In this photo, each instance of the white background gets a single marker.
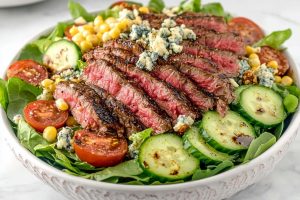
(18, 25)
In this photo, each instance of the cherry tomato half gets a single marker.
(268, 54)
(99, 150)
(42, 113)
(247, 29)
(28, 70)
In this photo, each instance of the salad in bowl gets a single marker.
(150, 95)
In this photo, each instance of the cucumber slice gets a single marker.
(262, 106)
(195, 144)
(229, 134)
(238, 92)
(164, 157)
(61, 55)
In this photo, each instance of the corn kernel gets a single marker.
(124, 24)
(73, 30)
(71, 121)
(273, 64)
(78, 38)
(112, 25)
(106, 36)
(110, 20)
(286, 81)
(79, 21)
(85, 45)
(254, 61)
(98, 21)
(86, 33)
(277, 79)
(46, 83)
(50, 134)
(88, 27)
(144, 10)
(114, 33)
(58, 80)
(99, 35)
(93, 39)
(61, 104)
(103, 28)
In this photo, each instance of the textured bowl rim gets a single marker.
(13, 141)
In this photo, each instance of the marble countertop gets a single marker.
(18, 25)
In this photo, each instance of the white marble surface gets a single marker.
(18, 25)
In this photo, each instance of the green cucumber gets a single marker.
(238, 92)
(262, 106)
(195, 144)
(61, 55)
(164, 157)
(229, 134)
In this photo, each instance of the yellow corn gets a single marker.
(254, 61)
(98, 20)
(277, 79)
(46, 83)
(112, 25)
(73, 30)
(86, 33)
(50, 134)
(88, 27)
(99, 35)
(124, 24)
(114, 33)
(58, 80)
(85, 45)
(110, 20)
(71, 121)
(286, 81)
(106, 36)
(61, 104)
(103, 28)
(144, 10)
(93, 39)
(78, 38)
(273, 64)
(250, 50)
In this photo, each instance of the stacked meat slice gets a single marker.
(118, 96)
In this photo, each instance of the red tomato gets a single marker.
(42, 113)
(28, 70)
(247, 29)
(99, 150)
(268, 54)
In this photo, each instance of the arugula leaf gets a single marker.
(260, 145)
(31, 51)
(3, 94)
(275, 39)
(19, 94)
(156, 5)
(78, 10)
(28, 137)
(191, 5)
(212, 170)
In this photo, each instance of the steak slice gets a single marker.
(126, 117)
(165, 96)
(127, 45)
(88, 108)
(227, 62)
(102, 74)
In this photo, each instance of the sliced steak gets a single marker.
(127, 45)
(88, 108)
(165, 96)
(102, 74)
(126, 117)
(227, 62)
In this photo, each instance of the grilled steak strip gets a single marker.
(126, 117)
(156, 89)
(88, 108)
(102, 74)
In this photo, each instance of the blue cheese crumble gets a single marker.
(266, 76)
(183, 122)
(64, 139)
(159, 42)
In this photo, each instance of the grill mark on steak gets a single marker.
(158, 90)
(126, 117)
(102, 74)
(127, 45)
(88, 108)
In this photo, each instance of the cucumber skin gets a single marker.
(197, 154)
(238, 92)
(161, 178)
(239, 109)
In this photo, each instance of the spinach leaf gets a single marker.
(191, 5)
(19, 94)
(213, 170)
(42, 44)
(3, 94)
(213, 8)
(78, 10)
(28, 137)
(279, 130)
(31, 51)
(156, 5)
(59, 31)
(275, 39)
(109, 13)
(294, 90)
(81, 64)
(260, 145)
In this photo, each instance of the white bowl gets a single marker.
(11, 3)
(217, 187)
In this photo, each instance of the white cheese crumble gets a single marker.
(266, 76)
(17, 118)
(64, 139)
(183, 123)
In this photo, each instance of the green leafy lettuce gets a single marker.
(31, 51)
(156, 5)
(77, 10)
(3, 94)
(275, 39)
